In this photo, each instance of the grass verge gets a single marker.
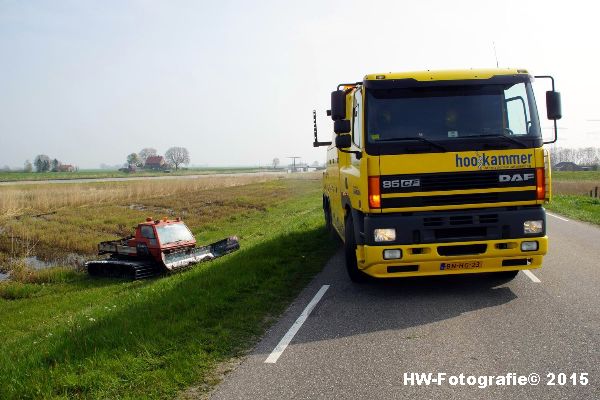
(583, 208)
(107, 338)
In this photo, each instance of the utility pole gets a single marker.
(294, 163)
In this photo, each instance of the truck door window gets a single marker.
(357, 119)
(147, 232)
(517, 112)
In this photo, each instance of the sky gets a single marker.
(235, 82)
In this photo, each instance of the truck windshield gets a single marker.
(173, 233)
(452, 112)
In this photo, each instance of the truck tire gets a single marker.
(355, 274)
(327, 215)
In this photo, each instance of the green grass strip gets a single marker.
(577, 207)
(108, 338)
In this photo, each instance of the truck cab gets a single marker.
(438, 172)
(152, 238)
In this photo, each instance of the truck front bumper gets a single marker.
(451, 258)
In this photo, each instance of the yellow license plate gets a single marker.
(460, 265)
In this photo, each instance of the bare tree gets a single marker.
(176, 156)
(275, 163)
(589, 156)
(42, 163)
(147, 152)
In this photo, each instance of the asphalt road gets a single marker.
(359, 341)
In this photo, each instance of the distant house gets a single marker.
(567, 166)
(66, 168)
(155, 162)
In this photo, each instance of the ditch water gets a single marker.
(73, 260)
(36, 263)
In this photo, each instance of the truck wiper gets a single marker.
(420, 139)
(523, 145)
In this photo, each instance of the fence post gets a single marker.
(596, 192)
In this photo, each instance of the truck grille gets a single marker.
(418, 185)
(460, 220)
(455, 199)
(455, 181)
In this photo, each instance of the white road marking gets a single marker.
(556, 216)
(287, 338)
(531, 276)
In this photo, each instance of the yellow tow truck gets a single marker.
(438, 172)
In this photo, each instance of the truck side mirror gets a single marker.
(553, 107)
(341, 126)
(338, 105)
(343, 141)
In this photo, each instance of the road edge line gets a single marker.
(531, 276)
(556, 216)
(287, 338)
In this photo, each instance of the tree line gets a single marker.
(43, 163)
(174, 157)
(585, 156)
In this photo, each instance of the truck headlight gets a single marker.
(533, 226)
(385, 235)
(529, 246)
(392, 254)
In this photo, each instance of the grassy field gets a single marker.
(575, 183)
(570, 195)
(58, 219)
(65, 335)
(576, 176)
(101, 173)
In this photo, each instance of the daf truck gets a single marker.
(439, 172)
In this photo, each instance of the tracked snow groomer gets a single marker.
(157, 247)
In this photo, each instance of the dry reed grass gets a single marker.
(62, 220)
(581, 188)
(44, 198)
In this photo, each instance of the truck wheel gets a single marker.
(327, 215)
(354, 273)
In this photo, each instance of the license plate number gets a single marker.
(460, 265)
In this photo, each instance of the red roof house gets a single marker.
(155, 162)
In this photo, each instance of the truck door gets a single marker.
(333, 188)
(350, 170)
